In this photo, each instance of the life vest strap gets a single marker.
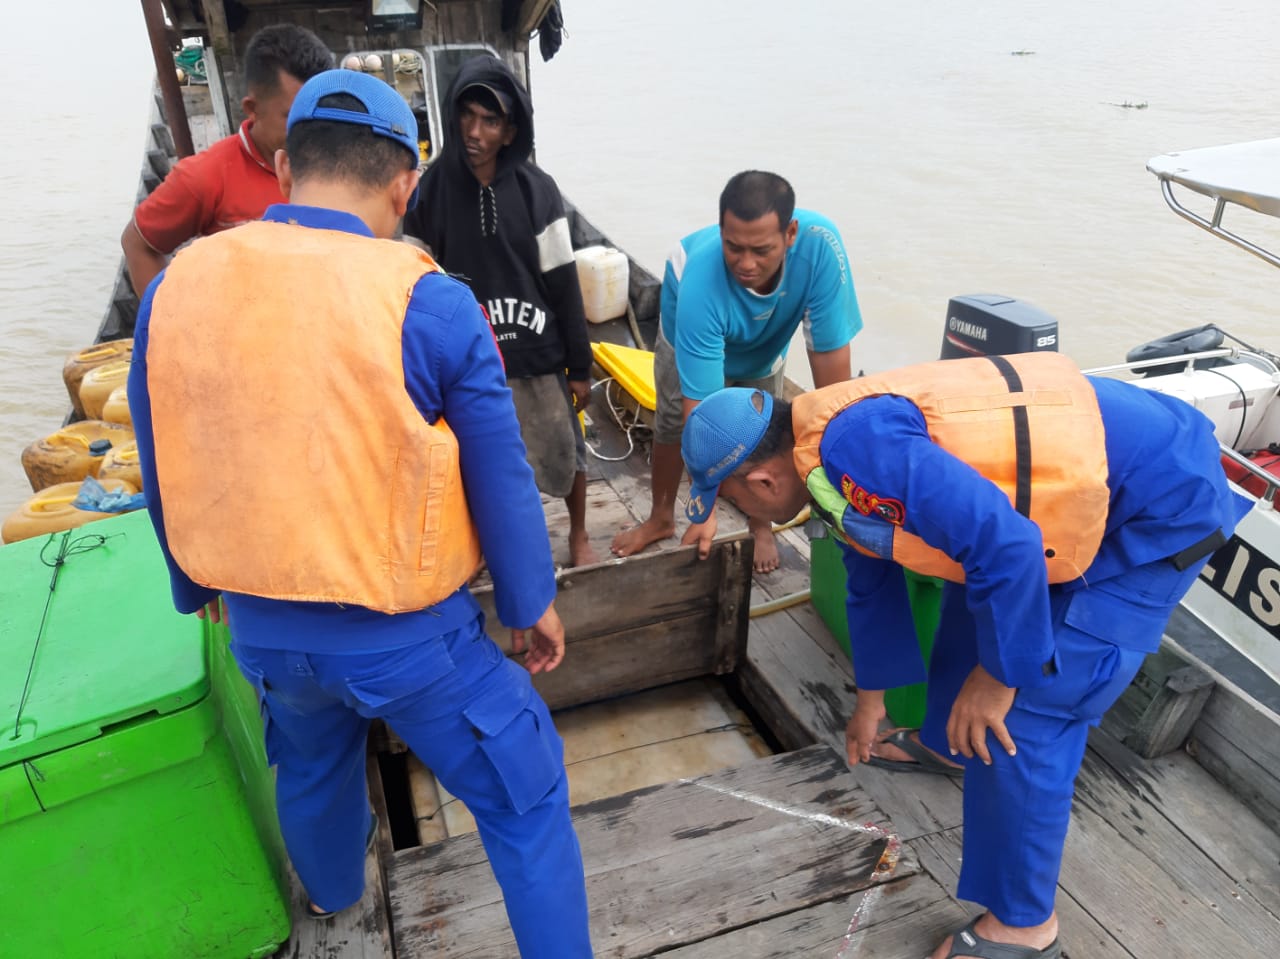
(1021, 438)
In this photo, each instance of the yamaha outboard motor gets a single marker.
(985, 324)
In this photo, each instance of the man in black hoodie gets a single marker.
(493, 219)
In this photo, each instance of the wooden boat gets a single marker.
(780, 850)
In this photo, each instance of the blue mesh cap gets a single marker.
(389, 115)
(721, 432)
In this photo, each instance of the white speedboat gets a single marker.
(1234, 628)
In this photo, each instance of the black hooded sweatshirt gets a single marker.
(509, 240)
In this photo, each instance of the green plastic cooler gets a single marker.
(137, 810)
(906, 704)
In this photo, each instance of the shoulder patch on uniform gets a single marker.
(869, 504)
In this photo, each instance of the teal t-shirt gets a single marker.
(723, 331)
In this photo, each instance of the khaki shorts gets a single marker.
(552, 435)
(668, 418)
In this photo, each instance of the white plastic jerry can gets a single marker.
(603, 276)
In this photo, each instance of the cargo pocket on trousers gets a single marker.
(258, 680)
(516, 734)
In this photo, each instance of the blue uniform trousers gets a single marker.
(1016, 811)
(473, 718)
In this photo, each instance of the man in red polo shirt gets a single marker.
(233, 181)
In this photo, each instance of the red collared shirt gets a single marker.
(226, 185)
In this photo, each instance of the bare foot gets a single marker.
(635, 538)
(993, 930)
(766, 551)
(891, 752)
(581, 552)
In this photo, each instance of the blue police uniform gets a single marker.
(323, 671)
(1070, 649)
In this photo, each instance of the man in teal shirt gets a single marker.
(733, 296)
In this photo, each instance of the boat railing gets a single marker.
(1242, 174)
(1214, 224)
(1187, 361)
(1266, 500)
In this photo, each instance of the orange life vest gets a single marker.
(1028, 422)
(292, 461)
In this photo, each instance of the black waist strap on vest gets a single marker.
(1021, 438)
(1199, 550)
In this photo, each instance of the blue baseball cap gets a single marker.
(389, 114)
(721, 432)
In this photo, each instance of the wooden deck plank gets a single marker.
(802, 684)
(1244, 849)
(800, 681)
(1235, 739)
(1083, 937)
(1151, 913)
(364, 930)
(683, 730)
(605, 513)
(659, 623)
(658, 587)
(671, 864)
(905, 919)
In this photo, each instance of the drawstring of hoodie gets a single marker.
(488, 226)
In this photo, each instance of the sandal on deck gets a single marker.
(966, 942)
(925, 760)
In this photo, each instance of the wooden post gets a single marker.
(223, 67)
(733, 605)
(1166, 722)
(530, 15)
(175, 110)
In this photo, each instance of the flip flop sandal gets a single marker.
(966, 942)
(368, 844)
(925, 760)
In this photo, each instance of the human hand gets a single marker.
(863, 730)
(702, 534)
(212, 611)
(982, 704)
(545, 642)
(580, 392)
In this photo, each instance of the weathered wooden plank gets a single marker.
(163, 139)
(631, 660)
(226, 83)
(671, 864)
(424, 796)
(1237, 741)
(622, 594)
(1154, 915)
(530, 15)
(1156, 713)
(905, 919)
(605, 514)
(732, 619)
(792, 574)
(1167, 721)
(802, 688)
(801, 684)
(1082, 935)
(364, 930)
(1239, 843)
(679, 731)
